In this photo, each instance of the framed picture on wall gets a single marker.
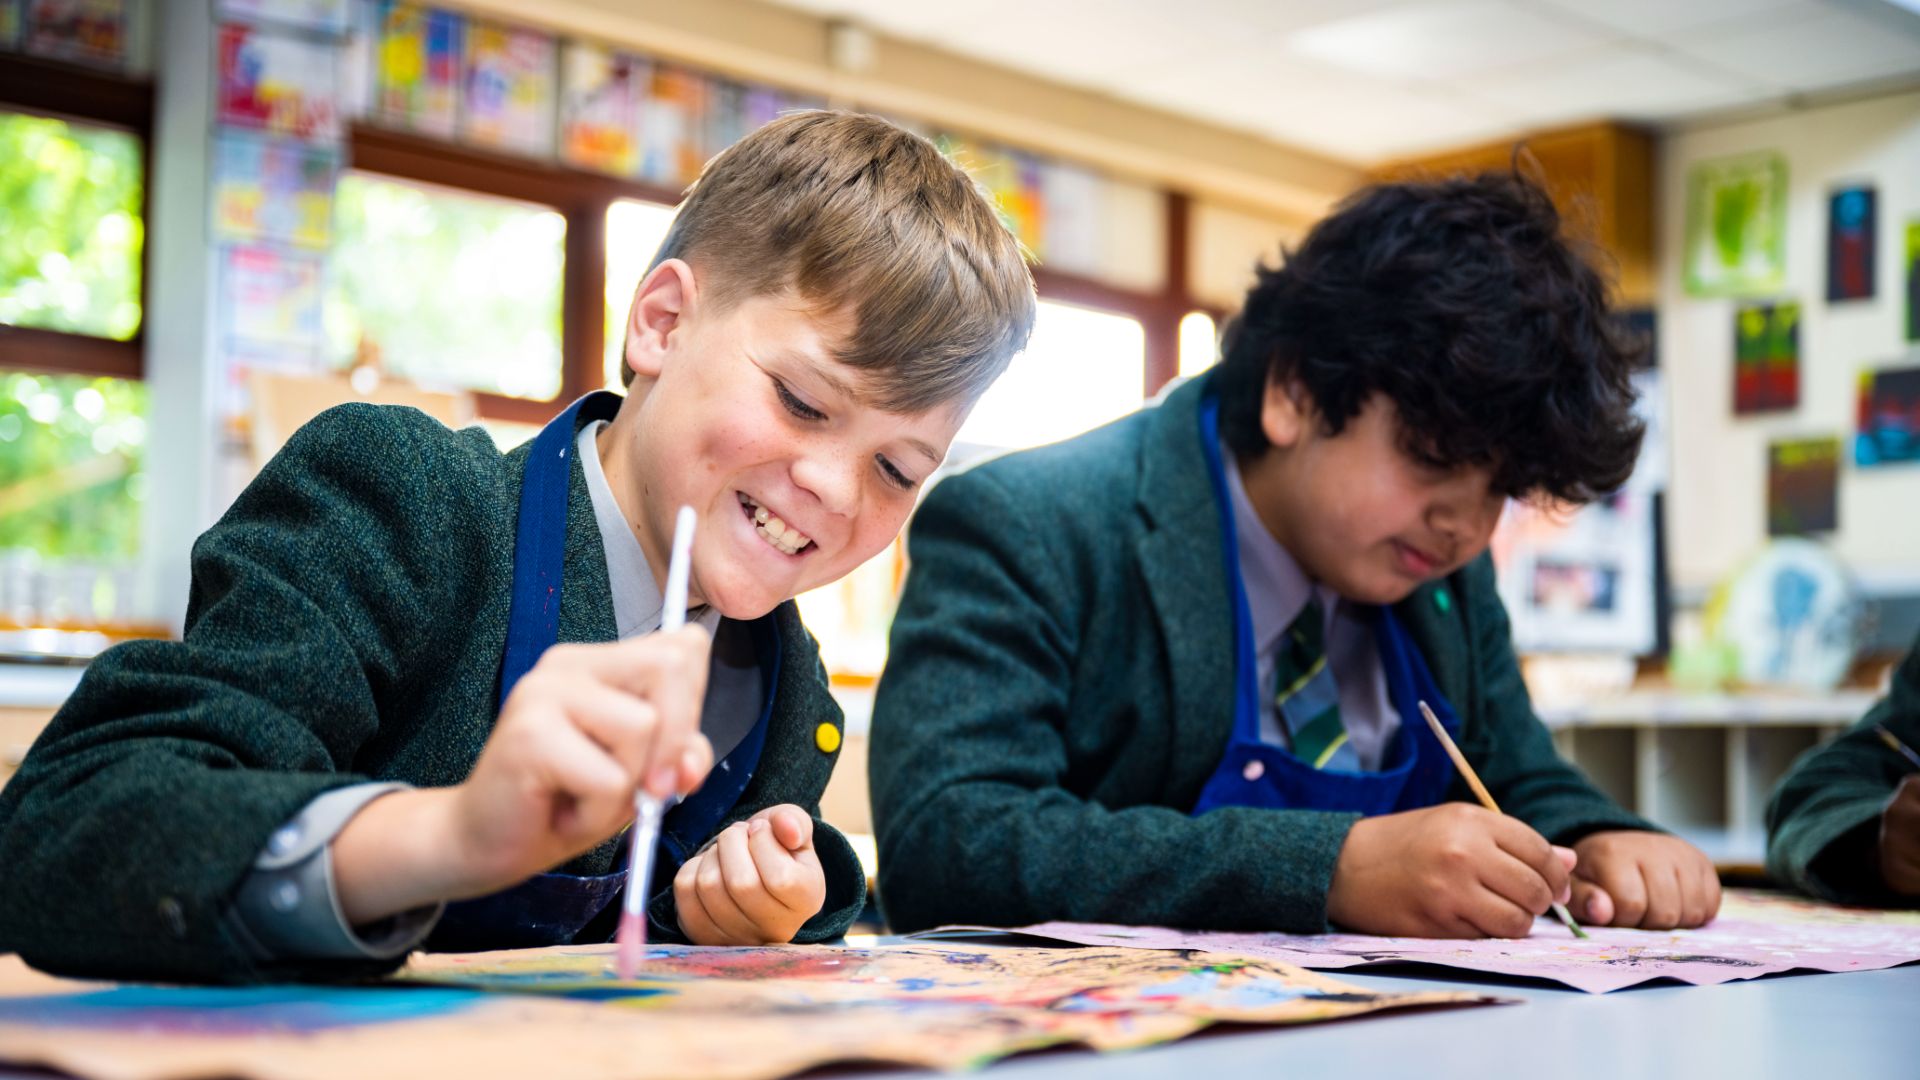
(1736, 226)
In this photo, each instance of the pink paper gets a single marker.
(1756, 933)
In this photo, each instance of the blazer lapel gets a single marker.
(1181, 561)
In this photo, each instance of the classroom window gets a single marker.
(72, 485)
(1082, 368)
(447, 288)
(70, 253)
(1199, 344)
(635, 230)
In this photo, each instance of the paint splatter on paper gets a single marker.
(1755, 934)
(730, 1014)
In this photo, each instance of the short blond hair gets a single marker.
(851, 213)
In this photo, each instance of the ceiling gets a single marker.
(1370, 80)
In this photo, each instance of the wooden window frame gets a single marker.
(96, 99)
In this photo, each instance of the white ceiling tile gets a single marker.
(1442, 40)
(1615, 81)
(1823, 48)
(1655, 18)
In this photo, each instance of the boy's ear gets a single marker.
(1286, 411)
(660, 308)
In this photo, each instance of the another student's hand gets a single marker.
(1900, 838)
(756, 884)
(1645, 879)
(1453, 870)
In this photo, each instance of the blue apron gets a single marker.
(1414, 771)
(558, 909)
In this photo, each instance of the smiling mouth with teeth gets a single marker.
(783, 537)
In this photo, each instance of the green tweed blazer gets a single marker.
(1823, 825)
(347, 621)
(1060, 687)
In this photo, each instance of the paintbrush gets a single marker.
(1486, 797)
(647, 808)
(1896, 745)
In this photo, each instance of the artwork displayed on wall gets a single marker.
(1851, 220)
(1766, 364)
(279, 83)
(1584, 581)
(511, 81)
(1912, 263)
(268, 190)
(92, 32)
(10, 23)
(1736, 226)
(1803, 481)
(601, 93)
(326, 16)
(1889, 417)
(417, 67)
(271, 304)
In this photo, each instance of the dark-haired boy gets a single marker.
(1168, 672)
(421, 683)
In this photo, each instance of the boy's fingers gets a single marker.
(1515, 882)
(780, 873)
(1529, 847)
(1591, 904)
(694, 920)
(1625, 886)
(710, 882)
(1493, 915)
(575, 766)
(696, 761)
(1664, 899)
(621, 723)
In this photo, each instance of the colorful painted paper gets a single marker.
(1889, 417)
(280, 83)
(273, 190)
(1803, 483)
(271, 303)
(1851, 223)
(90, 32)
(1736, 229)
(1583, 580)
(1766, 358)
(734, 110)
(729, 1014)
(671, 126)
(326, 16)
(417, 67)
(601, 95)
(1756, 933)
(512, 87)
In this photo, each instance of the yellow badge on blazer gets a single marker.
(827, 737)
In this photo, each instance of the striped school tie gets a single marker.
(1305, 695)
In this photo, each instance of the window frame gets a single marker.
(63, 92)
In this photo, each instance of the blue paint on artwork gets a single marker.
(234, 1010)
(915, 984)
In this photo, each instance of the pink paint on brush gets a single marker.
(633, 945)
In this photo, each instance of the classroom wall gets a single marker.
(1717, 505)
(1225, 244)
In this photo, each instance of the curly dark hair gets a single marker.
(1464, 304)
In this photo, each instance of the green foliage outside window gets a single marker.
(70, 227)
(72, 465)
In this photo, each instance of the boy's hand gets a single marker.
(1900, 838)
(1632, 878)
(756, 884)
(1453, 870)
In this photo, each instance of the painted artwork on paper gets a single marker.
(325, 16)
(1803, 484)
(1736, 227)
(417, 67)
(1766, 358)
(1889, 420)
(10, 23)
(273, 190)
(671, 124)
(511, 89)
(726, 1013)
(1851, 222)
(601, 95)
(92, 32)
(279, 83)
(1912, 263)
(270, 304)
(1755, 934)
